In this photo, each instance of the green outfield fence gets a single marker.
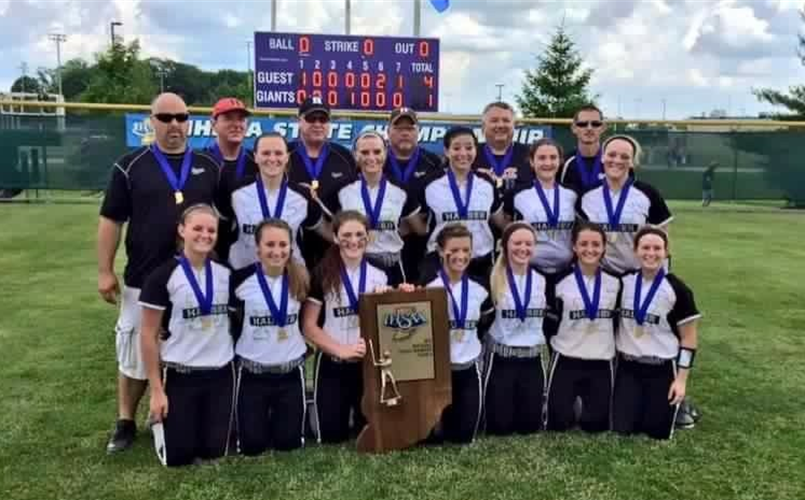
(71, 146)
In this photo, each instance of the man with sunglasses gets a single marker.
(149, 188)
(583, 169)
(499, 156)
(318, 165)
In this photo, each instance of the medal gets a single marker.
(498, 167)
(498, 182)
(612, 237)
(590, 327)
(279, 314)
(351, 295)
(184, 172)
(462, 207)
(282, 335)
(614, 215)
(520, 304)
(459, 313)
(641, 310)
(402, 176)
(313, 169)
(589, 176)
(590, 305)
(204, 299)
(373, 212)
(551, 214)
(261, 197)
(314, 185)
(457, 335)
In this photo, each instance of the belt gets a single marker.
(644, 360)
(384, 259)
(456, 367)
(507, 351)
(256, 368)
(180, 368)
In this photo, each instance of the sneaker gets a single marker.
(123, 437)
(684, 420)
(694, 412)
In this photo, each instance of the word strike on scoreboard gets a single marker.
(348, 72)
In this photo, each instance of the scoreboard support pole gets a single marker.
(347, 16)
(417, 17)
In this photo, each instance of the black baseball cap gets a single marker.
(313, 104)
(403, 112)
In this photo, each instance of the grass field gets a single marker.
(58, 402)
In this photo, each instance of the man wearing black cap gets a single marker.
(319, 165)
(230, 123)
(412, 167)
(499, 156)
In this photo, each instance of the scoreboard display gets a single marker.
(365, 73)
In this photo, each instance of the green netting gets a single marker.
(75, 152)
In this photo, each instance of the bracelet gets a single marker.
(685, 358)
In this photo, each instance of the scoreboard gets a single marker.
(366, 73)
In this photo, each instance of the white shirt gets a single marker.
(507, 329)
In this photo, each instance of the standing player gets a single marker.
(187, 346)
(583, 170)
(515, 378)
(272, 196)
(230, 123)
(318, 165)
(411, 167)
(267, 298)
(656, 342)
(548, 207)
(386, 205)
(586, 301)
(469, 313)
(502, 159)
(622, 205)
(461, 195)
(338, 282)
(149, 188)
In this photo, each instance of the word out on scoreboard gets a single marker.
(347, 72)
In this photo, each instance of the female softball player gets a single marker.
(469, 312)
(267, 298)
(386, 204)
(515, 379)
(585, 303)
(270, 195)
(656, 342)
(340, 278)
(622, 205)
(187, 300)
(548, 207)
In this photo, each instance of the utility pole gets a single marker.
(417, 17)
(347, 16)
(24, 69)
(58, 38)
(500, 91)
(273, 15)
(112, 31)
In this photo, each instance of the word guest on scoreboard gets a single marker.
(348, 72)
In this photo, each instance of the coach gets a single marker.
(149, 188)
(505, 161)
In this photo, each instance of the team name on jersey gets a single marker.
(582, 314)
(468, 325)
(529, 313)
(258, 321)
(343, 312)
(620, 228)
(248, 228)
(386, 225)
(471, 215)
(544, 226)
(651, 319)
(195, 312)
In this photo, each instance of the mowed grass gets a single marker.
(57, 396)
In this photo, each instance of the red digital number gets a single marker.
(349, 80)
(380, 99)
(316, 93)
(400, 81)
(397, 99)
(428, 81)
(304, 45)
(381, 81)
(332, 98)
(424, 49)
(317, 79)
(352, 99)
(430, 100)
(368, 47)
(366, 80)
(303, 78)
(301, 95)
(332, 79)
(366, 99)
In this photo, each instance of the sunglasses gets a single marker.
(593, 124)
(317, 118)
(169, 117)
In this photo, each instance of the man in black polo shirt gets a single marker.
(149, 189)
(412, 167)
(318, 165)
(583, 170)
(230, 123)
(499, 156)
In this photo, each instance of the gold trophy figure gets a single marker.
(386, 378)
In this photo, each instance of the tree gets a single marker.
(26, 84)
(121, 77)
(559, 84)
(794, 101)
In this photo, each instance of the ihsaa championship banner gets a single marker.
(139, 132)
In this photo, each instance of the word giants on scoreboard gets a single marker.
(348, 72)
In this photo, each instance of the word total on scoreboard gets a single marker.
(347, 72)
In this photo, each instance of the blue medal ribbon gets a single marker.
(261, 195)
(313, 170)
(462, 208)
(520, 305)
(498, 167)
(551, 214)
(176, 184)
(614, 216)
(280, 314)
(590, 306)
(351, 296)
(402, 176)
(204, 301)
(373, 212)
(589, 176)
(240, 167)
(641, 311)
(459, 314)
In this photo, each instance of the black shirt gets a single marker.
(427, 166)
(139, 193)
(519, 160)
(338, 170)
(571, 178)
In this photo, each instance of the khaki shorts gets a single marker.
(127, 330)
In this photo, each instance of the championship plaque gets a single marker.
(406, 371)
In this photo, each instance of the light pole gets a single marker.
(663, 109)
(112, 31)
(24, 68)
(273, 15)
(347, 16)
(58, 38)
(500, 91)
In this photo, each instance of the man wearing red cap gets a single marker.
(229, 121)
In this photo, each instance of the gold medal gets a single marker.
(458, 335)
(314, 185)
(179, 197)
(282, 335)
(206, 322)
(639, 331)
(499, 182)
(590, 326)
(612, 237)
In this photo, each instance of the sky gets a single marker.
(677, 58)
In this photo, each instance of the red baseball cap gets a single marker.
(227, 104)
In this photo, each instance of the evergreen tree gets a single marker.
(559, 84)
